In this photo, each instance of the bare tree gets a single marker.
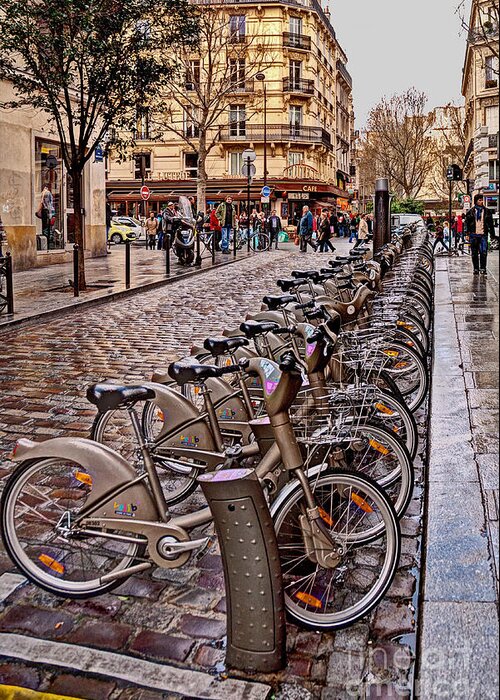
(482, 27)
(221, 71)
(399, 133)
(448, 146)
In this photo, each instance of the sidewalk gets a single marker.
(459, 634)
(46, 290)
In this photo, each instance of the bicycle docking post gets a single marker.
(234, 242)
(382, 228)
(167, 255)
(252, 573)
(127, 264)
(76, 286)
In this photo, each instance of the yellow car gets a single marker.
(120, 234)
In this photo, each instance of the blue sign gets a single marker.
(98, 155)
(265, 191)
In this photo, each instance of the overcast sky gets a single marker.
(395, 44)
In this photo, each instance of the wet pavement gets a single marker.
(459, 639)
(171, 619)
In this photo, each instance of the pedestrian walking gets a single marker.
(354, 229)
(429, 222)
(459, 232)
(439, 239)
(447, 233)
(215, 228)
(324, 233)
(169, 217)
(151, 229)
(369, 221)
(306, 230)
(479, 224)
(362, 231)
(160, 232)
(334, 224)
(274, 227)
(243, 224)
(226, 214)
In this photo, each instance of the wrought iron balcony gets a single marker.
(344, 73)
(278, 133)
(300, 86)
(242, 86)
(297, 41)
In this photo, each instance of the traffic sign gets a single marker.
(98, 155)
(145, 192)
(266, 191)
(248, 155)
(245, 170)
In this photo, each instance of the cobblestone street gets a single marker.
(174, 617)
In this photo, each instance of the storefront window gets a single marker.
(48, 193)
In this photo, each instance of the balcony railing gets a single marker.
(493, 141)
(480, 35)
(344, 73)
(280, 133)
(297, 41)
(236, 38)
(242, 86)
(298, 85)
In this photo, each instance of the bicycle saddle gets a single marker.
(342, 260)
(220, 345)
(254, 328)
(107, 397)
(304, 274)
(187, 370)
(276, 302)
(286, 285)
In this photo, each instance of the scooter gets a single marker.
(183, 243)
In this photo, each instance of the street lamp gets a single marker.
(262, 78)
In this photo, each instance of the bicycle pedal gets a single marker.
(204, 550)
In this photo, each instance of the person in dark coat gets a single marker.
(274, 227)
(479, 224)
(324, 233)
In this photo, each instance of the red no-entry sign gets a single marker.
(145, 192)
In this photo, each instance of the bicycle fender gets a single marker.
(109, 472)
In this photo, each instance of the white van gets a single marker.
(398, 220)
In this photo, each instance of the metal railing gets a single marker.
(280, 133)
(297, 41)
(242, 86)
(298, 85)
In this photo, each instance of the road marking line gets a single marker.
(136, 671)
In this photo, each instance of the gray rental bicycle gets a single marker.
(77, 519)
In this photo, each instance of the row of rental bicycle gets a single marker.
(317, 391)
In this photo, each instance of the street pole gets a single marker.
(248, 205)
(450, 194)
(382, 229)
(143, 178)
(265, 135)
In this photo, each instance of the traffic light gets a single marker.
(454, 172)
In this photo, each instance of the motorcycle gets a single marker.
(183, 243)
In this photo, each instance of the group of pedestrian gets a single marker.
(329, 224)
(475, 226)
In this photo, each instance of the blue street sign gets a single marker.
(265, 191)
(98, 155)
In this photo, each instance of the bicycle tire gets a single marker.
(304, 606)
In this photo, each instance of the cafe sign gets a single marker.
(298, 195)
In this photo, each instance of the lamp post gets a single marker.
(262, 78)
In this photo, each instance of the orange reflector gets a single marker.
(395, 429)
(309, 599)
(380, 448)
(160, 414)
(51, 563)
(324, 516)
(196, 389)
(361, 503)
(400, 365)
(408, 326)
(84, 478)
(384, 409)
(391, 353)
(228, 362)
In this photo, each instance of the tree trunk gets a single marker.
(201, 185)
(76, 176)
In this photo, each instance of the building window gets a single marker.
(193, 75)
(237, 120)
(295, 74)
(48, 186)
(235, 163)
(491, 119)
(237, 72)
(142, 132)
(191, 164)
(493, 171)
(295, 157)
(237, 28)
(295, 120)
(139, 159)
(491, 71)
(295, 27)
(191, 128)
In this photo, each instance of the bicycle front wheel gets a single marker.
(39, 506)
(331, 587)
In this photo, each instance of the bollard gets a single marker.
(214, 241)
(127, 264)
(234, 243)
(197, 261)
(382, 227)
(252, 573)
(76, 281)
(9, 283)
(167, 254)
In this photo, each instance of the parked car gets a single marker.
(398, 220)
(129, 221)
(118, 233)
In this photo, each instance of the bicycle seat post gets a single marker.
(244, 389)
(212, 416)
